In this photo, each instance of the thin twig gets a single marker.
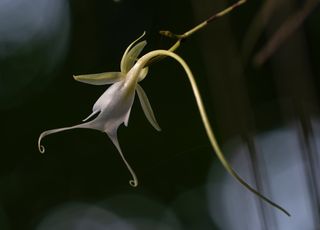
(181, 37)
(200, 26)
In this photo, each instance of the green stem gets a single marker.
(151, 55)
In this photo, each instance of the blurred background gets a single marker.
(258, 74)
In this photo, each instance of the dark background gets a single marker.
(81, 169)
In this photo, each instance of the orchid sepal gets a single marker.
(146, 107)
(100, 78)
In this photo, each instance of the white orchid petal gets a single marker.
(100, 78)
(124, 65)
(146, 107)
(116, 100)
(112, 133)
(113, 106)
(87, 125)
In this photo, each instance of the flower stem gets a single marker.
(153, 54)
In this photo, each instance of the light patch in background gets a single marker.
(78, 216)
(285, 181)
(33, 42)
(142, 213)
(125, 212)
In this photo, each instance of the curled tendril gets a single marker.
(42, 149)
(133, 183)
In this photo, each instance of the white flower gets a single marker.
(114, 105)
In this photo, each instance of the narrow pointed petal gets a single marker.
(48, 132)
(112, 133)
(91, 115)
(100, 78)
(146, 107)
(130, 55)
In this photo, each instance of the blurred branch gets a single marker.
(284, 32)
(257, 25)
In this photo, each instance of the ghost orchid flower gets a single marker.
(114, 105)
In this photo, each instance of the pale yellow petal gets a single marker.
(131, 53)
(146, 107)
(100, 78)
